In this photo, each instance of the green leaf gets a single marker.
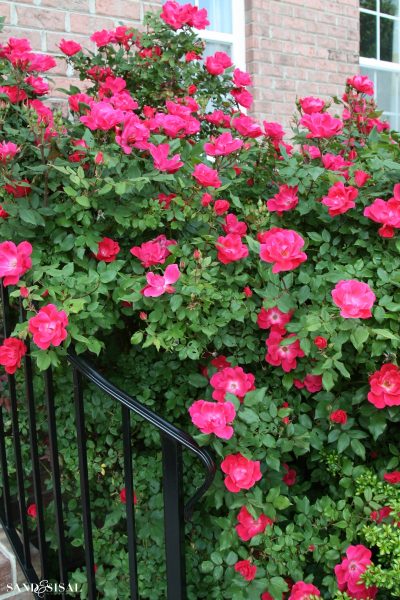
(327, 380)
(137, 337)
(43, 361)
(385, 333)
(197, 380)
(359, 336)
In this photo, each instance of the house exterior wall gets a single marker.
(293, 47)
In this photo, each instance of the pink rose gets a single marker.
(354, 298)
(232, 225)
(213, 417)
(282, 248)
(248, 527)
(17, 189)
(246, 126)
(385, 386)
(154, 252)
(340, 198)
(48, 327)
(230, 248)
(361, 178)
(290, 476)
(7, 151)
(177, 15)
(241, 78)
(311, 105)
(122, 496)
(386, 213)
(362, 84)
(38, 84)
(161, 160)
(102, 116)
(273, 318)
(69, 47)
(15, 261)
(274, 131)
(286, 199)
(222, 145)
(321, 125)
(161, 284)
(217, 63)
(312, 383)
(303, 591)
(76, 99)
(246, 569)
(206, 176)
(231, 380)
(32, 511)
(348, 573)
(221, 207)
(242, 97)
(321, 342)
(103, 38)
(283, 356)
(134, 134)
(241, 473)
(11, 352)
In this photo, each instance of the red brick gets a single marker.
(127, 9)
(87, 24)
(38, 18)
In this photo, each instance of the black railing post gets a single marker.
(84, 483)
(17, 440)
(174, 524)
(130, 510)
(37, 487)
(55, 473)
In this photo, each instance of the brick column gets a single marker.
(299, 48)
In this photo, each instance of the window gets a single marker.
(380, 53)
(226, 31)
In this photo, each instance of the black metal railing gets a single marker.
(14, 517)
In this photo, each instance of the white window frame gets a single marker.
(377, 63)
(237, 39)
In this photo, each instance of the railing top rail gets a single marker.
(166, 428)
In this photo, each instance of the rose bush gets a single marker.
(236, 281)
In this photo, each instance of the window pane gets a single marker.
(371, 4)
(387, 40)
(212, 47)
(219, 14)
(387, 88)
(390, 7)
(368, 35)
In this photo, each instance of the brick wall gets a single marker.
(299, 48)
(294, 47)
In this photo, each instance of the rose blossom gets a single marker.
(241, 473)
(69, 47)
(311, 105)
(340, 198)
(273, 318)
(217, 63)
(393, 477)
(102, 116)
(177, 15)
(286, 199)
(312, 383)
(354, 298)
(48, 327)
(349, 571)
(230, 248)
(290, 476)
(231, 380)
(362, 84)
(7, 151)
(107, 250)
(303, 591)
(283, 356)
(161, 160)
(321, 342)
(282, 248)
(246, 569)
(232, 225)
(223, 145)
(32, 511)
(122, 496)
(206, 176)
(221, 207)
(379, 515)
(11, 352)
(246, 126)
(385, 386)
(213, 417)
(14, 261)
(338, 416)
(154, 252)
(242, 97)
(321, 125)
(386, 213)
(274, 130)
(161, 284)
(248, 527)
(361, 178)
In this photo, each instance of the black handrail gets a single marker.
(161, 424)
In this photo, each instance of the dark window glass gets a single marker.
(387, 31)
(390, 7)
(371, 4)
(368, 36)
